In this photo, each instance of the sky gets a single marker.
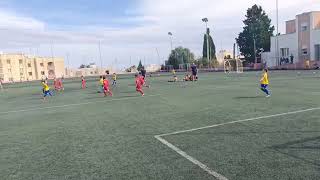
(128, 30)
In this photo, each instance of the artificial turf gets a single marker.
(79, 134)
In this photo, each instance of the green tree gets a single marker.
(139, 66)
(179, 56)
(212, 49)
(257, 25)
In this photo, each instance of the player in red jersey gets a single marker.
(55, 84)
(106, 88)
(60, 84)
(143, 81)
(139, 84)
(83, 83)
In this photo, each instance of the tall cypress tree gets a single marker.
(212, 47)
(139, 66)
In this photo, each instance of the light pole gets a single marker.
(277, 36)
(205, 20)
(170, 34)
(100, 54)
(68, 60)
(252, 29)
(255, 49)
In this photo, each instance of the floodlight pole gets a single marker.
(100, 54)
(255, 50)
(205, 20)
(68, 61)
(277, 36)
(170, 35)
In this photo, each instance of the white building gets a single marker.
(91, 70)
(301, 43)
(153, 68)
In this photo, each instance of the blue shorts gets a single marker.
(264, 86)
(46, 93)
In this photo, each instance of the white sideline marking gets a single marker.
(200, 164)
(77, 104)
(238, 121)
(190, 158)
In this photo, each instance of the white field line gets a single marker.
(192, 159)
(238, 121)
(76, 104)
(200, 164)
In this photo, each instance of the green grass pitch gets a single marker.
(80, 135)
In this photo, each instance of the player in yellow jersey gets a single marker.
(46, 89)
(114, 78)
(101, 84)
(175, 78)
(173, 72)
(264, 81)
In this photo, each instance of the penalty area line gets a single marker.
(191, 159)
(200, 164)
(76, 104)
(239, 121)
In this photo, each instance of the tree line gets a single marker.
(255, 36)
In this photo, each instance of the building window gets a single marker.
(8, 61)
(304, 27)
(30, 73)
(21, 74)
(9, 70)
(304, 51)
(284, 52)
(29, 64)
(21, 69)
(20, 61)
(42, 72)
(41, 64)
(317, 52)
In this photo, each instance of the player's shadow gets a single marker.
(248, 97)
(295, 149)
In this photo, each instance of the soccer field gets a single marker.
(221, 127)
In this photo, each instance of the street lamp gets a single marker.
(255, 49)
(100, 57)
(277, 36)
(170, 34)
(205, 20)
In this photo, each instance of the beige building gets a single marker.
(19, 67)
(222, 54)
(299, 45)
